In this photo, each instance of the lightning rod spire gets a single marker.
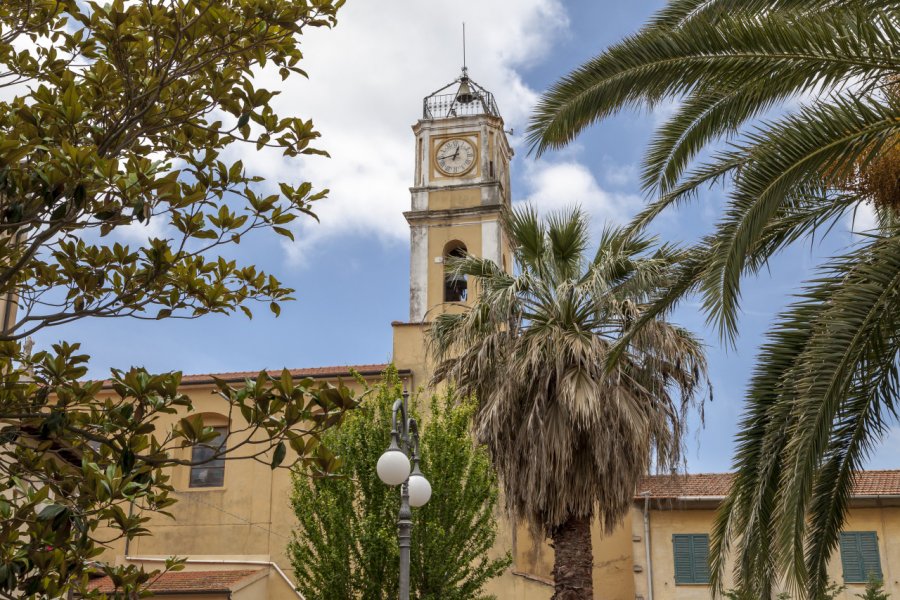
(464, 47)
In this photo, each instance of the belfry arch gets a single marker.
(456, 286)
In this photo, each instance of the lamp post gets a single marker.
(394, 468)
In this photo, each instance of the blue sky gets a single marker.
(367, 78)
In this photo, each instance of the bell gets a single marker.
(465, 95)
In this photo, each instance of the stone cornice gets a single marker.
(455, 186)
(474, 211)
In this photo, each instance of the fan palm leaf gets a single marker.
(534, 347)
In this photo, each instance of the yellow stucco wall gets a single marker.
(664, 523)
(885, 522)
(249, 518)
(454, 198)
(409, 352)
(529, 578)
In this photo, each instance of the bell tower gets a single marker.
(460, 191)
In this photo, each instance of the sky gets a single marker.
(367, 78)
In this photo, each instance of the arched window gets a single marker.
(455, 285)
(208, 471)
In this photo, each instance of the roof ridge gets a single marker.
(325, 371)
(866, 483)
(721, 473)
(291, 369)
(174, 582)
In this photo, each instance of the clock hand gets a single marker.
(448, 155)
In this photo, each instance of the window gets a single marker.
(859, 556)
(209, 472)
(691, 558)
(455, 285)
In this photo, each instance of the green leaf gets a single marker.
(284, 231)
(278, 455)
(51, 511)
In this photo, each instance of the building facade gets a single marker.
(236, 518)
(672, 519)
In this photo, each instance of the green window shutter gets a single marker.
(691, 553)
(859, 556)
(684, 570)
(700, 551)
(868, 548)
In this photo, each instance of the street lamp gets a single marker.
(394, 468)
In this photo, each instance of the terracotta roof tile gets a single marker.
(715, 485)
(314, 372)
(186, 581)
(332, 371)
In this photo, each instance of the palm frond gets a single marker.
(822, 397)
(827, 379)
(567, 240)
(833, 45)
(677, 12)
(533, 349)
(821, 141)
(702, 119)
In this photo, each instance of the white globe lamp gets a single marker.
(393, 466)
(419, 490)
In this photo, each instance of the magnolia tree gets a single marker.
(112, 116)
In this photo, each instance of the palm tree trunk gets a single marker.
(573, 560)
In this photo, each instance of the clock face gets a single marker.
(455, 157)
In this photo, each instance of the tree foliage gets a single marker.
(874, 590)
(345, 547)
(114, 116)
(534, 348)
(832, 591)
(825, 386)
(121, 115)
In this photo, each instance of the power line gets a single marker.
(190, 498)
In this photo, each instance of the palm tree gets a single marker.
(569, 438)
(825, 387)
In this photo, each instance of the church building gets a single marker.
(233, 520)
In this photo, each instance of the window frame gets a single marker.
(217, 465)
(853, 540)
(699, 570)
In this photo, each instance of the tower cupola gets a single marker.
(461, 97)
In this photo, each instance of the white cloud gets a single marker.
(665, 110)
(141, 233)
(554, 186)
(367, 80)
(863, 219)
(620, 175)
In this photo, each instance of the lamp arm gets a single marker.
(400, 427)
(412, 426)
